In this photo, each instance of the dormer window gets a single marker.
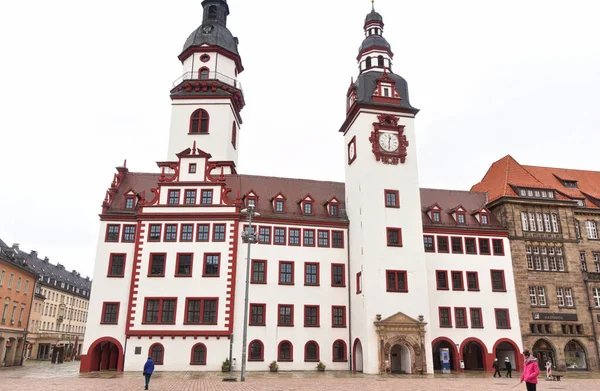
(461, 218)
(279, 206)
(570, 184)
(192, 168)
(308, 208)
(581, 203)
(437, 217)
(485, 219)
(129, 202)
(334, 210)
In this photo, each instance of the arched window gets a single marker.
(199, 121)
(203, 73)
(285, 351)
(380, 61)
(157, 352)
(212, 11)
(198, 354)
(339, 350)
(256, 351)
(311, 351)
(368, 62)
(234, 135)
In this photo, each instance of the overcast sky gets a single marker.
(85, 85)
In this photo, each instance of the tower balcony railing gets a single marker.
(208, 76)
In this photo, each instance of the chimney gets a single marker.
(15, 246)
(87, 278)
(33, 253)
(46, 260)
(60, 267)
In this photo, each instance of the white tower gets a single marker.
(389, 299)
(207, 98)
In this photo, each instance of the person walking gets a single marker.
(508, 367)
(531, 371)
(148, 371)
(496, 366)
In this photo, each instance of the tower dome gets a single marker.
(213, 31)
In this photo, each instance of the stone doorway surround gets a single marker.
(401, 329)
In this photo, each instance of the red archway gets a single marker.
(476, 343)
(357, 365)
(454, 352)
(104, 354)
(518, 355)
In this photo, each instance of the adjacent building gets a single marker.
(373, 275)
(552, 217)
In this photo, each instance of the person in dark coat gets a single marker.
(496, 366)
(148, 371)
(508, 367)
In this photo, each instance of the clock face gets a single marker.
(351, 151)
(388, 142)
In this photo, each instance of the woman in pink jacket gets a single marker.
(530, 372)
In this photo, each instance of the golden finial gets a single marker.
(373, 4)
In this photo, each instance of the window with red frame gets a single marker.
(284, 351)
(286, 273)
(157, 265)
(311, 316)
(337, 239)
(190, 197)
(234, 135)
(311, 351)
(323, 238)
(436, 216)
(286, 315)
(257, 314)
(198, 354)
(264, 235)
(442, 244)
(359, 282)
(116, 265)
(112, 233)
(259, 272)
(441, 277)
(279, 206)
(173, 197)
(470, 246)
(203, 73)
(498, 281)
(201, 311)
(339, 351)
(472, 281)
(457, 281)
(128, 233)
(485, 220)
(279, 236)
(476, 318)
(110, 313)
(154, 233)
(294, 239)
(461, 218)
(307, 207)
(187, 232)
(256, 351)
(184, 265)
(502, 318)
(460, 317)
(457, 247)
(206, 197)
(338, 316)
(428, 243)
(218, 232)
(334, 210)
(129, 202)
(309, 238)
(157, 353)
(396, 281)
(160, 310)
(203, 233)
(251, 231)
(392, 199)
(199, 121)
(192, 168)
(170, 232)
(484, 246)
(338, 275)
(394, 237)
(311, 273)
(211, 265)
(445, 317)
(498, 246)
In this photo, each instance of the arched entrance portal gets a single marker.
(473, 356)
(440, 344)
(544, 352)
(504, 349)
(400, 359)
(575, 356)
(105, 354)
(357, 356)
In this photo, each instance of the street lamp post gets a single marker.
(250, 236)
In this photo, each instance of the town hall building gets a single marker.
(374, 274)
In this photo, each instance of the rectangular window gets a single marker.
(541, 295)
(201, 311)
(437, 216)
(396, 281)
(129, 202)
(461, 218)
(540, 222)
(596, 263)
(457, 281)
(569, 297)
(192, 168)
(155, 232)
(190, 197)
(338, 316)
(128, 233)
(498, 281)
(583, 261)
(392, 198)
(157, 265)
(160, 310)
(286, 273)
(460, 317)
(485, 220)
(311, 273)
(219, 232)
(470, 245)
(498, 246)
(338, 275)
(472, 281)
(533, 295)
(441, 277)
(307, 208)
(358, 282)
(279, 237)
(560, 297)
(112, 233)
(524, 221)
(264, 235)
(428, 243)
(211, 265)
(554, 222)
(476, 318)
(203, 233)
(337, 239)
(187, 232)
(184, 265)
(596, 294)
(279, 206)
(457, 246)
(532, 221)
(445, 317)
(484, 246)
(309, 237)
(323, 240)
(334, 210)
(311, 316)
(170, 232)
(207, 197)
(259, 272)
(547, 225)
(173, 197)
(286, 315)
(116, 265)
(442, 244)
(592, 232)
(257, 314)
(294, 237)
(502, 319)
(110, 313)
(394, 237)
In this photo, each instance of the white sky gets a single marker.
(84, 85)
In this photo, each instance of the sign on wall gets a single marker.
(559, 317)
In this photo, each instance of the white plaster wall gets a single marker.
(164, 198)
(217, 63)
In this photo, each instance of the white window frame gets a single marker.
(10, 280)
(532, 221)
(592, 231)
(524, 222)
(561, 263)
(542, 295)
(554, 222)
(560, 297)
(2, 274)
(537, 260)
(533, 295)
(597, 262)
(596, 293)
(577, 230)
(540, 222)
(569, 297)
(547, 225)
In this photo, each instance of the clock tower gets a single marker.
(389, 298)
(207, 98)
